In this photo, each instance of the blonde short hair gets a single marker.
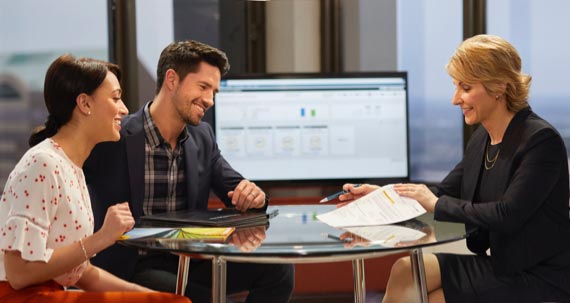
(493, 62)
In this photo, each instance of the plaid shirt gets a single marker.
(164, 170)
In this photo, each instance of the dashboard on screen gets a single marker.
(308, 127)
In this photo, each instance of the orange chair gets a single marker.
(51, 292)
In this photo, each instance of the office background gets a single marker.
(416, 36)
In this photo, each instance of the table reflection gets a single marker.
(297, 236)
(387, 236)
(248, 239)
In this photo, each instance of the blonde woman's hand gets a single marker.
(354, 192)
(419, 192)
(352, 240)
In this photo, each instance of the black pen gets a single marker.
(335, 195)
(336, 237)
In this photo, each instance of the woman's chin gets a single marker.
(117, 137)
(114, 138)
(469, 121)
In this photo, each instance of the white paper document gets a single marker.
(386, 235)
(380, 207)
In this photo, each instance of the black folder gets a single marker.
(211, 217)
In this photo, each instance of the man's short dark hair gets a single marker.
(185, 57)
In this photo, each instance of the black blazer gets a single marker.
(115, 173)
(529, 224)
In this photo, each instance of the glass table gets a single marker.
(295, 235)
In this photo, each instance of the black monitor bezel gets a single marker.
(336, 181)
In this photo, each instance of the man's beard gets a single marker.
(186, 116)
(188, 120)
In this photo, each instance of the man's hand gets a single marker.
(247, 195)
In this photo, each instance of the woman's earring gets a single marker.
(497, 97)
(88, 113)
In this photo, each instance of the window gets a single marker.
(32, 35)
(428, 33)
(539, 32)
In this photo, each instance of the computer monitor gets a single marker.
(315, 127)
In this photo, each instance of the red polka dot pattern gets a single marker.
(44, 205)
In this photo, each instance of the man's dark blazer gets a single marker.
(529, 222)
(115, 173)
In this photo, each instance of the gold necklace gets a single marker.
(491, 161)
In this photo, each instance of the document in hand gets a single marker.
(208, 217)
(382, 206)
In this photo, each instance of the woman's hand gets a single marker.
(118, 221)
(354, 192)
(419, 192)
(352, 240)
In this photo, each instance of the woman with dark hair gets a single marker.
(510, 190)
(46, 221)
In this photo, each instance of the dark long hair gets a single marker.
(66, 78)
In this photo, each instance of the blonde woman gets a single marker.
(510, 190)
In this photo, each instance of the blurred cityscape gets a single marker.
(435, 125)
(22, 105)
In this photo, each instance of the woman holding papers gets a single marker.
(510, 190)
(46, 222)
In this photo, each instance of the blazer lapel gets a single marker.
(135, 149)
(191, 159)
(473, 160)
(511, 141)
(135, 160)
(475, 156)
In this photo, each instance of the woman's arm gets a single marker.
(97, 279)
(21, 273)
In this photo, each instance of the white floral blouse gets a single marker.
(45, 205)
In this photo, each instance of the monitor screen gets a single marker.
(308, 127)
